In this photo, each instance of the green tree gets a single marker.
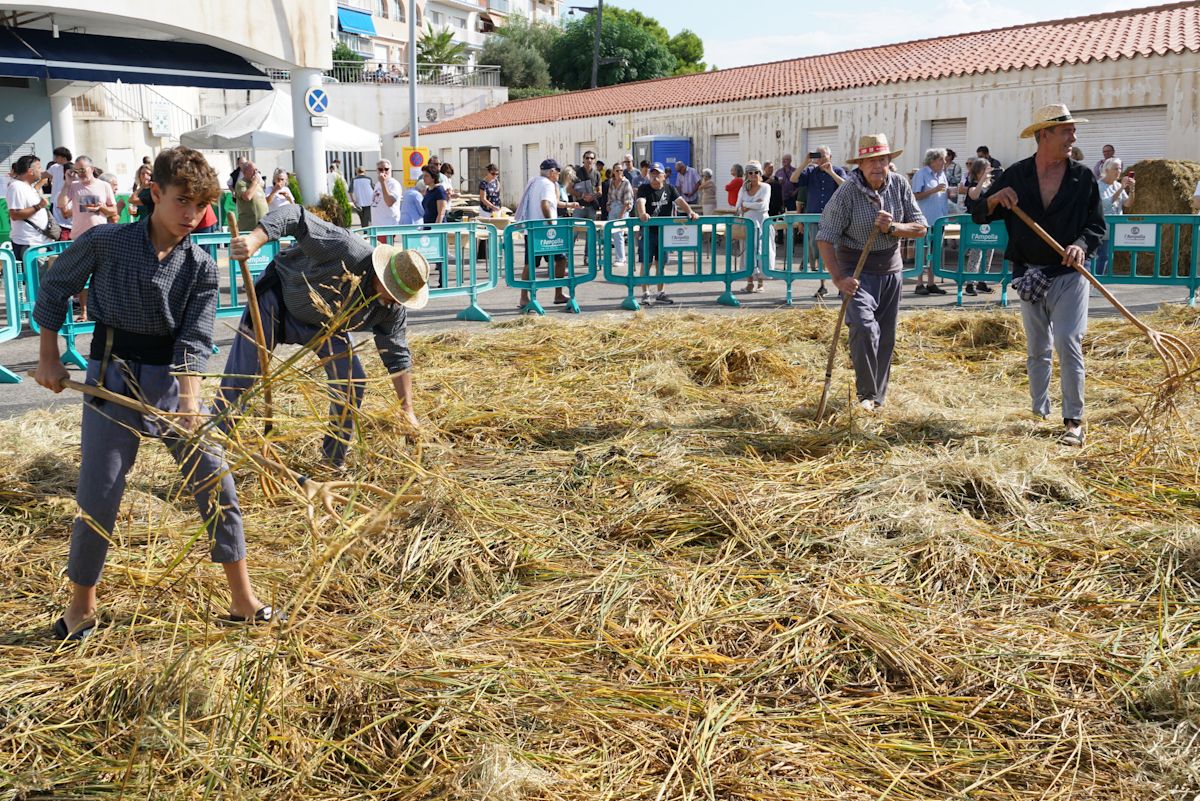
(650, 24)
(521, 48)
(632, 52)
(688, 51)
(439, 47)
(341, 52)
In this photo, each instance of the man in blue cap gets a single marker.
(657, 198)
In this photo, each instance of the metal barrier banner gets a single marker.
(463, 258)
(10, 287)
(988, 240)
(800, 256)
(551, 242)
(216, 241)
(1158, 252)
(705, 250)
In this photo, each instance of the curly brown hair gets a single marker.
(188, 170)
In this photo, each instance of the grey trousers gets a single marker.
(347, 379)
(1057, 323)
(110, 439)
(871, 317)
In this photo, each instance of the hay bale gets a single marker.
(1163, 187)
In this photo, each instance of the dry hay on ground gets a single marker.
(640, 571)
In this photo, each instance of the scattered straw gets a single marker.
(640, 570)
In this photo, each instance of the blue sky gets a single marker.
(754, 31)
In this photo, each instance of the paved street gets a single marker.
(596, 299)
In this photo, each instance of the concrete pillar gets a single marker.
(308, 151)
(62, 125)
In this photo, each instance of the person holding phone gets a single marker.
(86, 199)
(816, 183)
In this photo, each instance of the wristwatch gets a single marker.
(892, 229)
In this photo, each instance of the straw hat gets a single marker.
(873, 145)
(1048, 117)
(403, 273)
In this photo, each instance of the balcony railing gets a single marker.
(392, 72)
(498, 5)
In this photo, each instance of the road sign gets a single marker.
(316, 101)
(413, 158)
(318, 122)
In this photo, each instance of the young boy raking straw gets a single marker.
(153, 297)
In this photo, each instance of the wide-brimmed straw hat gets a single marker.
(873, 145)
(1048, 117)
(403, 273)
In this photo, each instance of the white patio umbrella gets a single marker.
(267, 124)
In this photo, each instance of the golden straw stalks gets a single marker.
(326, 493)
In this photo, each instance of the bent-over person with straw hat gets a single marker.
(1062, 196)
(314, 293)
(863, 223)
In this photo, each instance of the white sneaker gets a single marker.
(645, 298)
(867, 405)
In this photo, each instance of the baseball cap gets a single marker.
(550, 164)
(657, 166)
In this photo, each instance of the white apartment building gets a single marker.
(378, 29)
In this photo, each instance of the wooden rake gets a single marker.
(841, 319)
(326, 493)
(1177, 355)
(260, 339)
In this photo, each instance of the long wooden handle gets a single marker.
(1082, 270)
(837, 327)
(260, 339)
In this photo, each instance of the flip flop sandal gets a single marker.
(62, 633)
(1071, 438)
(265, 614)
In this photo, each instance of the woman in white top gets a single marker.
(620, 201)
(753, 201)
(280, 194)
(1116, 194)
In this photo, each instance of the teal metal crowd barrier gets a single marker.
(554, 242)
(970, 236)
(1165, 258)
(800, 253)
(454, 252)
(10, 286)
(687, 251)
(216, 241)
(71, 328)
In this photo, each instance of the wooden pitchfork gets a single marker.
(325, 493)
(260, 339)
(1176, 354)
(841, 318)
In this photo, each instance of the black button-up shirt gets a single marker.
(1073, 218)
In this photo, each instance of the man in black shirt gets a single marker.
(657, 198)
(1062, 196)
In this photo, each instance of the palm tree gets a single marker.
(439, 47)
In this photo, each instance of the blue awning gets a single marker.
(352, 21)
(31, 53)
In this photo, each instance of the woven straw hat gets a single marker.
(873, 145)
(403, 273)
(1048, 117)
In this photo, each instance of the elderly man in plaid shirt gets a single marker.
(872, 199)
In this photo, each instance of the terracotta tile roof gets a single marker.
(1120, 34)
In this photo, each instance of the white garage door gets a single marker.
(727, 151)
(533, 160)
(951, 135)
(815, 137)
(1137, 133)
